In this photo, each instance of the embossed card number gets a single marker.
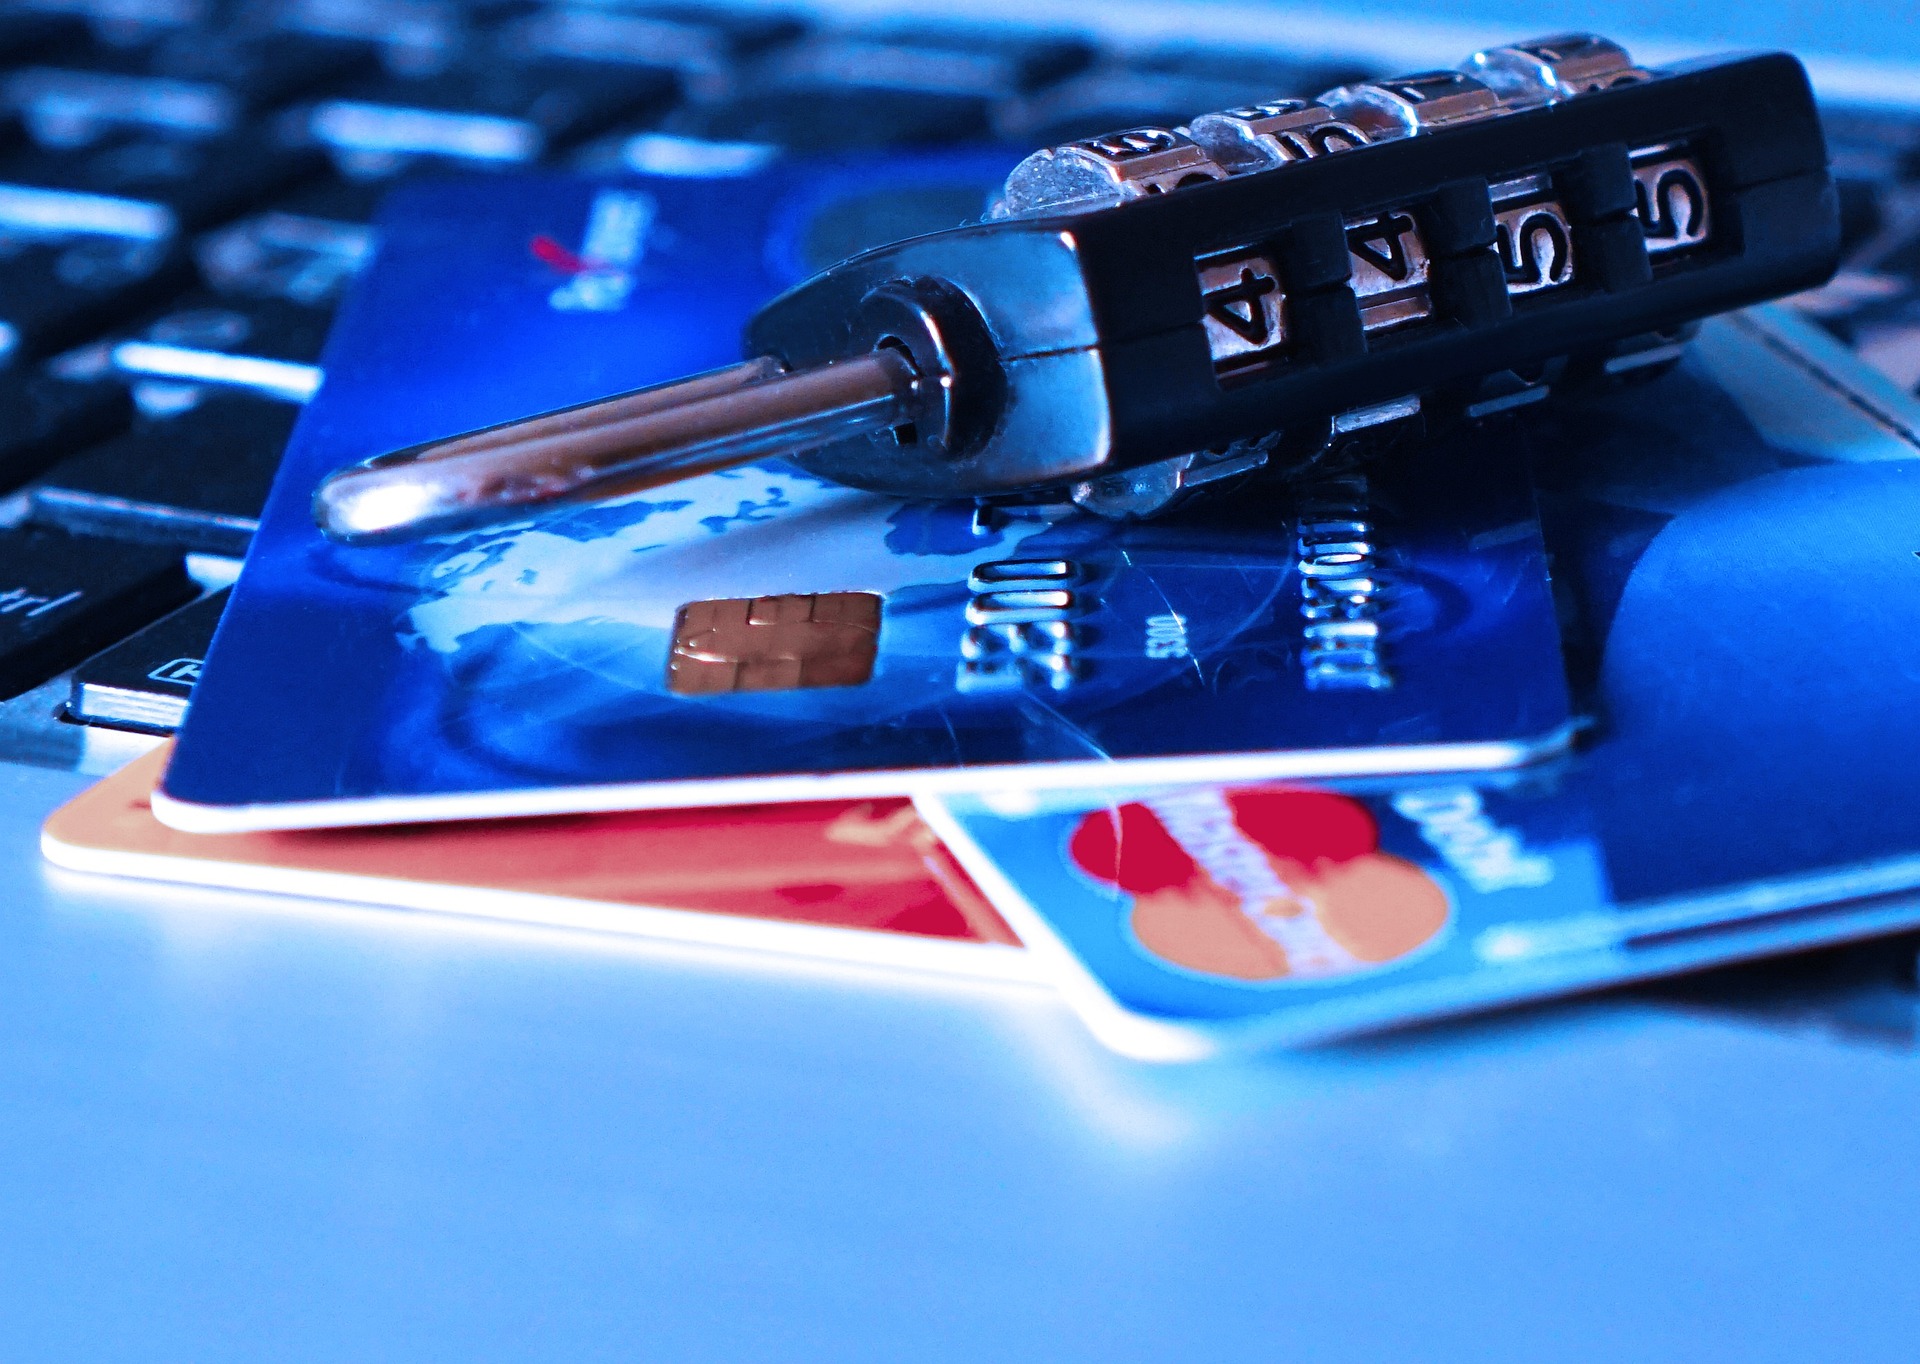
(1020, 631)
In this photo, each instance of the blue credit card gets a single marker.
(759, 634)
(1739, 546)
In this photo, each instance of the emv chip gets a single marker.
(787, 643)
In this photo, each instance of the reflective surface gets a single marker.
(627, 444)
(240, 1128)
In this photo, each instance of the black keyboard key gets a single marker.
(65, 597)
(1898, 257)
(145, 682)
(1281, 77)
(57, 293)
(261, 69)
(133, 21)
(1159, 89)
(1862, 213)
(744, 31)
(268, 346)
(412, 35)
(26, 34)
(481, 113)
(1108, 97)
(702, 49)
(286, 254)
(333, 199)
(835, 92)
(196, 479)
(677, 154)
(190, 83)
(161, 184)
(834, 119)
(1879, 146)
(978, 60)
(44, 419)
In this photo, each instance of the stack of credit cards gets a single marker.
(1631, 687)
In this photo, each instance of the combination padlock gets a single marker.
(1151, 311)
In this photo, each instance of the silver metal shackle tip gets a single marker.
(627, 443)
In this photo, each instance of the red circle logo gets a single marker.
(1261, 883)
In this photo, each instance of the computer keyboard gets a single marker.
(144, 682)
(186, 191)
(70, 595)
(194, 479)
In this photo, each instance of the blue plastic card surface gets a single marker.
(761, 635)
(1737, 544)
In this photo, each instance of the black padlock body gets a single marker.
(1098, 317)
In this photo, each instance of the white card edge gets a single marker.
(1384, 760)
(1131, 1034)
(999, 962)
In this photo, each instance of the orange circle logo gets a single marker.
(1261, 883)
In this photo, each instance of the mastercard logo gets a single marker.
(1261, 883)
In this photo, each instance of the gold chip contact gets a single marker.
(787, 643)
